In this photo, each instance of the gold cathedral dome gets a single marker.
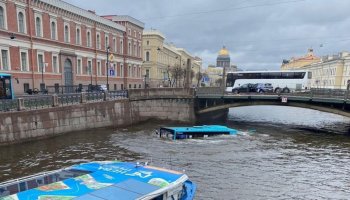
(224, 52)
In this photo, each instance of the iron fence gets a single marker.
(122, 94)
(69, 99)
(38, 102)
(8, 105)
(95, 96)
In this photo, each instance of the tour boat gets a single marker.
(101, 180)
(194, 131)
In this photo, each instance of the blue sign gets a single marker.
(111, 72)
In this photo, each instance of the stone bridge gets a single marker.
(326, 100)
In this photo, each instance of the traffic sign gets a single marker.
(284, 99)
(111, 72)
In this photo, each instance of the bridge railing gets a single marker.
(160, 92)
(314, 92)
(209, 91)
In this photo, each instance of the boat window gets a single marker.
(158, 198)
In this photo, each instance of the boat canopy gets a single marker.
(108, 180)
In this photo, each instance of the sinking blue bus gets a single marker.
(6, 87)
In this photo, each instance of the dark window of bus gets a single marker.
(287, 75)
(26, 87)
(299, 75)
(274, 75)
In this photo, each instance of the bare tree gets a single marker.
(199, 77)
(176, 74)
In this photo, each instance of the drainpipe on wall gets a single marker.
(31, 43)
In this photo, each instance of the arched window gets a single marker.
(88, 40)
(106, 42)
(147, 56)
(53, 30)
(38, 26)
(121, 47)
(98, 41)
(20, 22)
(2, 17)
(66, 33)
(78, 36)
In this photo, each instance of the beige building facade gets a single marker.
(296, 63)
(333, 71)
(161, 61)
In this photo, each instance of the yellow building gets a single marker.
(333, 71)
(161, 61)
(299, 62)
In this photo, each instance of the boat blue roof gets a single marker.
(107, 180)
(205, 128)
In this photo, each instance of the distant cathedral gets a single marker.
(224, 60)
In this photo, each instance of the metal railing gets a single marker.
(313, 92)
(8, 105)
(32, 102)
(69, 99)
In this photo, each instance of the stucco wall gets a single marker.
(29, 125)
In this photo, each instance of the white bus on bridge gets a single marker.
(282, 81)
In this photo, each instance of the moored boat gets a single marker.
(195, 131)
(102, 180)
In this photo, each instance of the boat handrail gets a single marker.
(26, 178)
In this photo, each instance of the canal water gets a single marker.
(279, 153)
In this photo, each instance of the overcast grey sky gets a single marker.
(258, 33)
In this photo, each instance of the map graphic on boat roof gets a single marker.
(108, 180)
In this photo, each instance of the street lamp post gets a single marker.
(108, 48)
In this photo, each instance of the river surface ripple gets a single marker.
(279, 153)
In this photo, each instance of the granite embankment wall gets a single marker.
(171, 104)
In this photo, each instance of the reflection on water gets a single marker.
(279, 154)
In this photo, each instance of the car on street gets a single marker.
(264, 88)
(249, 87)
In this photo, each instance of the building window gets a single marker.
(98, 41)
(121, 71)
(89, 69)
(114, 45)
(88, 39)
(79, 66)
(99, 71)
(21, 22)
(24, 63)
(129, 71)
(2, 18)
(139, 51)
(106, 42)
(53, 30)
(121, 47)
(135, 50)
(4, 60)
(78, 36)
(38, 26)
(129, 49)
(147, 56)
(66, 33)
(55, 64)
(147, 42)
(25, 87)
(41, 63)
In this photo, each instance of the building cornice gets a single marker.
(84, 13)
(126, 18)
